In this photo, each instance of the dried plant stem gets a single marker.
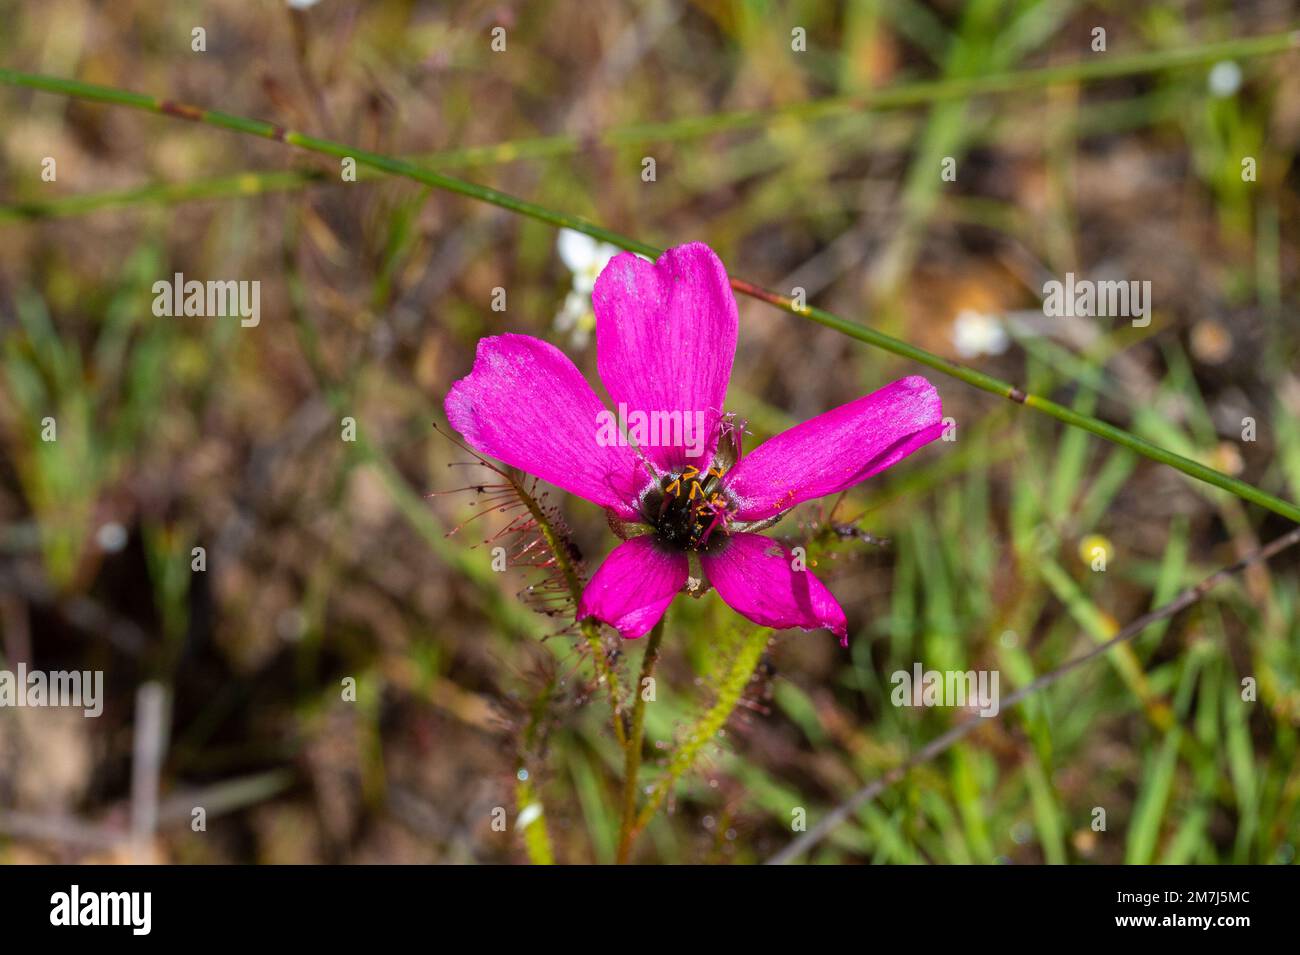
(948, 739)
(1254, 46)
(635, 742)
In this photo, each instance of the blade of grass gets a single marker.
(1144, 830)
(945, 741)
(252, 127)
(1101, 627)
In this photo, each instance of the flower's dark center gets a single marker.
(689, 509)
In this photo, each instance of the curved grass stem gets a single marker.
(1255, 46)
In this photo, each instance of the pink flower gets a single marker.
(665, 341)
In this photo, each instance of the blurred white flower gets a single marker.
(976, 333)
(585, 258)
(576, 320)
(1224, 78)
(111, 537)
(303, 4)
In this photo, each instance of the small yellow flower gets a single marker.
(1096, 551)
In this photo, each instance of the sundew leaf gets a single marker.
(537, 537)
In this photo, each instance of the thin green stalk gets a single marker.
(590, 627)
(1237, 48)
(1100, 116)
(537, 840)
(980, 380)
(257, 183)
(224, 187)
(632, 762)
(528, 796)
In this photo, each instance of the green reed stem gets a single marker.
(636, 741)
(924, 92)
(980, 380)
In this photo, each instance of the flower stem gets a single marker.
(589, 627)
(632, 763)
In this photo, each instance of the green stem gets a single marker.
(632, 762)
(980, 380)
(590, 627)
(1255, 46)
(247, 184)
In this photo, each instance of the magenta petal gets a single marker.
(634, 586)
(525, 403)
(755, 575)
(836, 450)
(665, 341)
